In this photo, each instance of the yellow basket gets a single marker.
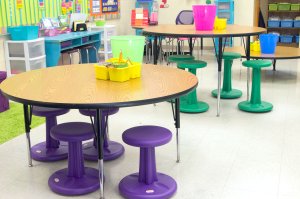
(119, 74)
(220, 23)
(135, 70)
(101, 72)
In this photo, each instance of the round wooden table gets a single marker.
(190, 32)
(76, 87)
(282, 52)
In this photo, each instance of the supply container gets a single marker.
(273, 6)
(268, 43)
(274, 22)
(295, 6)
(131, 47)
(287, 23)
(220, 24)
(22, 33)
(204, 16)
(286, 38)
(284, 6)
(101, 72)
(297, 23)
(297, 39)
(119, 74)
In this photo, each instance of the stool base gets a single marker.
(61, 183)
(163, 188)
(114, 151)
(39, 152)
(198, 107)
(255, 108)
(233, 94)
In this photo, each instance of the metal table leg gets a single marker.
(176, 116)
(155, 50)
(100, 138)
(248, 69)
(27, 121)
(220, 55)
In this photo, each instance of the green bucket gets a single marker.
(131, 46)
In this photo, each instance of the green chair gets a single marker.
(255, 104)
(227, 92)
(190, 103)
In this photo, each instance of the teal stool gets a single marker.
(255, 104)
(190, 103)
(178, 58)
(227, 92)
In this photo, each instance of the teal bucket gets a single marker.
(131, 46)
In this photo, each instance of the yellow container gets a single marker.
(220, 23)
(119, 74)
(101, 72)
(135, 70)
(256, 46)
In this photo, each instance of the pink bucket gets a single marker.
(204, 16)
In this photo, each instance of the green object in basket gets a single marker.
(273, 7)
(295, 6)
(284, 6)
(120, 65)
(100, 23)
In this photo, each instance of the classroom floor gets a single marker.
(236, 156)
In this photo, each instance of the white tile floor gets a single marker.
(236, 156)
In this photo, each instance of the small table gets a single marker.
(76, 87)
(55, 45)
(282, 52)
(190, 32)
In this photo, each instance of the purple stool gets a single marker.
(51, 149)
(4, 104)
(112, 149)
(76, 179)
(147, 184)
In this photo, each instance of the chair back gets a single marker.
(185, 17)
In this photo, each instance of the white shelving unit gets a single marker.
(22, 56)
(107, 32)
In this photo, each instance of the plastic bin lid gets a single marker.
(274, 18)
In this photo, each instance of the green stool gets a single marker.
(178, 58)
(227, 92)
(190, 103)
(255, 104)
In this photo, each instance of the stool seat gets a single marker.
(3, 76)
(192, 64)
(231, 55)
(177, 58)
(92, 112)
(73, 132)
(48, 112)
(257, 63)
(147, 136)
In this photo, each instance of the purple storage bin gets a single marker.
(297, 39)
(66, 44)
(85, 39)
(273, 23)
(286, 23)
(297, 23)
(286, 38)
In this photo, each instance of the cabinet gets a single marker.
(106, 32)
(284, 16)
(22, 56)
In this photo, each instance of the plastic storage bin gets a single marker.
(66, 44)
(273, 23)
(119, 74)
(17, 66)
(297, 39)
(297, 23)
(131, 46)
(101, 72)
(16, 50)
(21, 33)
(295, 6)
(273, 7)
(37, 64)
(284, 6)
(268, 43)
(204, 16)
(286, 38)
(286, 23)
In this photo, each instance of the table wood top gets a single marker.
(190, 31)
(282, 52)
(76, 87)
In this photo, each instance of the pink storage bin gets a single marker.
(204, 16)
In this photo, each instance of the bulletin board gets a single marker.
(110, 9)
(33, 10)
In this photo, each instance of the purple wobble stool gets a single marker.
(76, 179)
(147, 184)
(4, 104)
(51, 149)
(112, 149)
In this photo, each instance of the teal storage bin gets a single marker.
(21, 33)
(131, 46)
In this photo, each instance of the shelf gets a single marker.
(294, 44)
(293, 28)
(286, 11)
